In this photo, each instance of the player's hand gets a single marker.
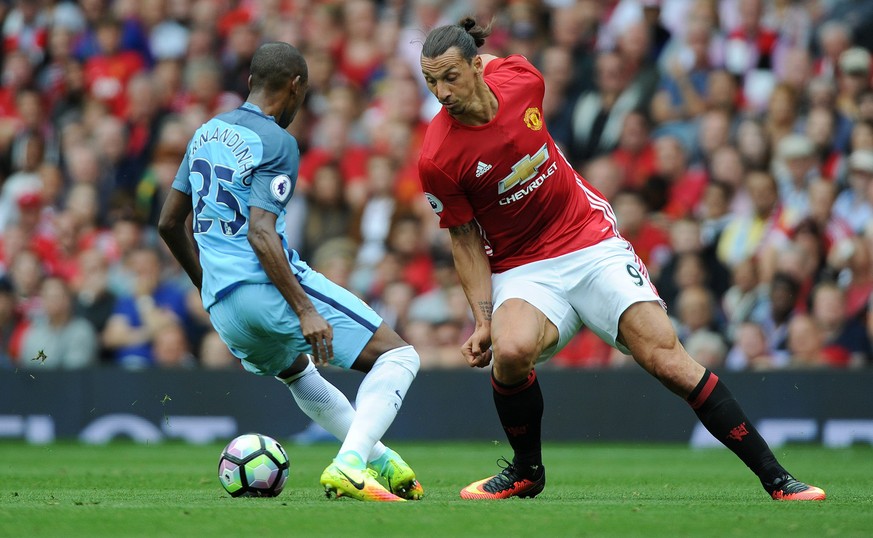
(318, 332)
(477, 348)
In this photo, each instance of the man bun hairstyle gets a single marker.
(467, 36)
(274, 64)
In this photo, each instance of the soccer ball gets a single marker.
(253, 465)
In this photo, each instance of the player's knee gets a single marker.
(514, 358)
(405, 357)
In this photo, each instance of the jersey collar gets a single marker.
(255, 109)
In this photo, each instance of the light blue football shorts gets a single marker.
(263, 332)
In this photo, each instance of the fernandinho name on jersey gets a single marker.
(237, 145)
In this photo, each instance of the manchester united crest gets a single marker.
(533, 119)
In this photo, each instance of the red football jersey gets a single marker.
(510, 177)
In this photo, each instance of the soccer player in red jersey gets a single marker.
(539, 255)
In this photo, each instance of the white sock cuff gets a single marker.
(288, 380)
(405, 357)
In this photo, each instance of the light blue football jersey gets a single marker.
(237, 160)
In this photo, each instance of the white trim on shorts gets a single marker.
(592, 287)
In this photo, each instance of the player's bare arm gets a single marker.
(268, 247)
(474, 271)
(179, 236)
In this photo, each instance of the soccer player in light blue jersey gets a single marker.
(269, 306)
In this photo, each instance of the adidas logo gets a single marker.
(481, 168)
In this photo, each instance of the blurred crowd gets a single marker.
(734, 139)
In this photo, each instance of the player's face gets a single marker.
(452, 79)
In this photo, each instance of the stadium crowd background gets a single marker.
(734, 139)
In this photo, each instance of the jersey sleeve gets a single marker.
(182, 181)
(274, 180)
(445, 195)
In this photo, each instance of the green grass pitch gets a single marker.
(122, 489)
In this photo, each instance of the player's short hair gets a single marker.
(274, 64)
(466, 35)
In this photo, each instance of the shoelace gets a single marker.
(507, 477)
(793, 486)
(787, 484)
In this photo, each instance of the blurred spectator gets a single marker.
(635, 154)
(598, 115)
(25, 29)
(845, 339)
(407, 243)
(690, 263)
(241, 45)
(335, 259)
(375, 215)
(214, 354)
(439, 318)
(747, 235)
(650, 242)
(327, 213)
(775, 318)
(753, 145)
(26, 272)
(358, 56)
(795, 72)
(750, 51)
(111, 67)
(605, 175)
(713, 132)
(726, 167)
(854, 79)
(796, 167)
(57, 339)
(675, 181)
(708, 348)
(833, 37)
(93, 300)
(802, 257)
(331, 144)
(832, 227)
(821, 126)
(98, 12)
(153, 305)
(556, 65)
(682, 92)
(155, 182)
(851, 259)
(23, 184)
(746, 299)
(10, 325)
(695, 312)
(167, 37)
(781, 116)
(714, 212)
(17, 74)
(749, 351)
(855, 204)
(170, 348)
(203, 88)
(805, 343)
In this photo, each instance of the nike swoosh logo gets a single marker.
(358, 485)
(397, 392)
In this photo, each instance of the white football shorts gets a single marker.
(591, 287)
